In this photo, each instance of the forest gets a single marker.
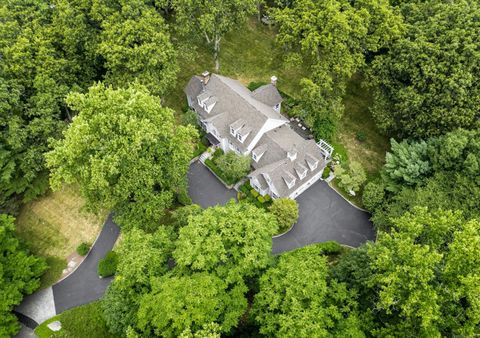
(91, 96)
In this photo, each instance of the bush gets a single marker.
(373, 195)
(330, 247)
(267, 198)
(83, 249)
(361, 136)
(183, 197)
(107, 266)
(240, 195)
(261, 199)
(285, 211)
(254, 193)
(233, 166)
(326, 172)
(352, 179)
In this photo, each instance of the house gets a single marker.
(251, 123)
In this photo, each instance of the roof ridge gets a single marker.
(221, 78)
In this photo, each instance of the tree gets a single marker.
(407, 164)
(233, 242)
(125, 152)
(420, 270)
(233, 166)
(189, 303)
(212, 19)
(142, 256)
(425, 84)
(45, 53)
(285, 211)
(306, 28)
(19, 275)
(298, 297)
(136, 46)
(352, 179)
(373, 195)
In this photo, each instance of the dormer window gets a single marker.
(254, 156)
(301, 170)
(239, 137)
(311, 161)
(289, 179)
(232, 131)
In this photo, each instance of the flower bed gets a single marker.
(247, 193)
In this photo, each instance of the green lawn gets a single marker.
(80, 322)
(54, 225)
(357, 118)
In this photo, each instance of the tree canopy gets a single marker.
(425, 84)
(298, 297)
(306, 29)
(125, 151)
(234, 241)
(19, 275)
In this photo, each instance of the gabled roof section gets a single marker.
(233, 102)
(268, 94)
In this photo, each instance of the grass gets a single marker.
(248, 54)
(83, 321)
(357, 118)
(54, 225)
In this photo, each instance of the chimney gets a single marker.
(292, 153)
(273, 79)
(206, 77)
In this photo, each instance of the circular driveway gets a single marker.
(323, 214)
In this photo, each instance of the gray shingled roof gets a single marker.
(267, 94)
(278, 166)
(233, 102)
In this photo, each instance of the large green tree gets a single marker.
(189, 303)
(211, 19)
(298, 298)
(426, 84)
(136, 46)
(420, 278)
(233, 241)
(142, 256)
(125, 151)
(332, 39)
(47, 49)
(19, 275)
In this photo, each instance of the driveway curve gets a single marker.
(324, 215)
(80, 287)
(83, 285)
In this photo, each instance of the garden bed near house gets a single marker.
(247, 193)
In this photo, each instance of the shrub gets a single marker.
(261, 199)
(254, 193)
(361, 136)
(107, 266)
(330, 247)
(233, 166)
(240, 195)
(373, 195)
(218, 152)
(267, 198)
(285, 211)
(183, 197)
(326, 172)
(83, 249)
(353, 179)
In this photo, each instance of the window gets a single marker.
(254, 157)
(239, 137)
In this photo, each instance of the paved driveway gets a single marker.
(325, 215)
(205, 189)
(83, 285)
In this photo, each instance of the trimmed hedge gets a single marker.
(326, 172)
(83, 249)
(107, 266)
